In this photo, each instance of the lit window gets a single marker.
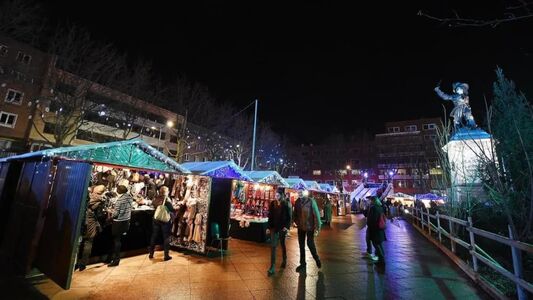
(410, 128)
(3, 50)
(186, 157)
(317, 172)
(8, 119)
(13, 96)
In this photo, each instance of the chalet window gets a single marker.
(8, 119)
(393, 129)
(14, 96)
(410, 128)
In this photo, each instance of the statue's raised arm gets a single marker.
(461, 113)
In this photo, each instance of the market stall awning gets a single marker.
(133, 153)
(312, 185)
(217, 169)
(428, 196)
(326, 187)
(270, 177)
(296, 183)
(401, 195)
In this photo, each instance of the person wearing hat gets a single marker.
(374, 233)
(461, 101)
(121, 220)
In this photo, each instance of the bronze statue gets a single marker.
(461, 113)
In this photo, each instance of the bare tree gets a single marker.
(22, 20)
(63, 109)
(511, 11)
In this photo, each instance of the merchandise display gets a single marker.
(191, 195)
(250, 201)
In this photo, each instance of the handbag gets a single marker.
(382, 222)
(161, 213)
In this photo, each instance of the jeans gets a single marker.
(310, 244)
(368, 242)
(164, 229)
(274, 238)
(118, 229)
(380, 253)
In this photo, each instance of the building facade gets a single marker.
(406, 155)
(35, 112)
(343, 164)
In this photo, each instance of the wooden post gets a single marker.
(472, 244)
(517, 266)
(438, 227)
(452, 242)
(422, 219)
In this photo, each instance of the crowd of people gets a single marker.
(111, 201)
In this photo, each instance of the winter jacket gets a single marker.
(123, 208)
(376, 235)
(279, 216)
(306, 214)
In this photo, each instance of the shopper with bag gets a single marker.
(376, 222)
(162, 222)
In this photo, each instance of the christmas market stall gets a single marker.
(336, 198)
(296, 185)
(51, 194)
(250, 205)
(226, 178)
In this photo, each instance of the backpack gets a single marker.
(382, 222)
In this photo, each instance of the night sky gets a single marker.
(317, 69)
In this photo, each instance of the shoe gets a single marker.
(82, 267)
(318, 263)
(271, 271)
(114, 263)
(368, 255)
(151, 255)
(374, 259)
(301, 268)
(167, 258)
(283, 264)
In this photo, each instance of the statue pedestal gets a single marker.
(467, 150)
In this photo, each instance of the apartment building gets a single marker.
(31, 86)
(406, 154)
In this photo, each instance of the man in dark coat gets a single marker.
(307, 219)
(374, 232)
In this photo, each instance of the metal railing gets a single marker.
(422, 219)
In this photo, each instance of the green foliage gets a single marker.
(510, 121)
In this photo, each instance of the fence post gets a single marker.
(452, 242)
(438, 226)
(517, 266)
(422, 219)
(429, 222)
(472, 243)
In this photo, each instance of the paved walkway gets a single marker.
(414, 270)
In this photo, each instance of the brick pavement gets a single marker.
(414, 270)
